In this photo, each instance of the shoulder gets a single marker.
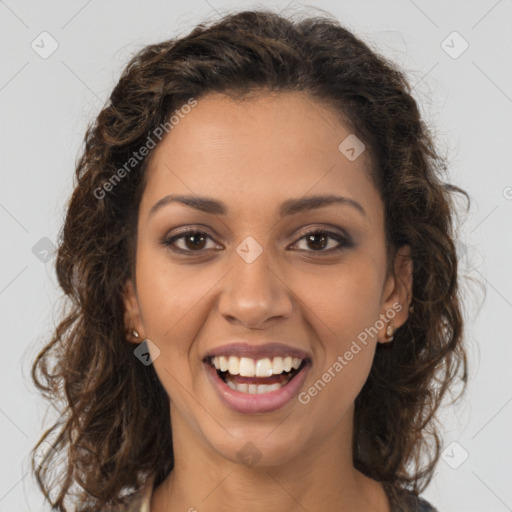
(137, 501)
(403, 500)
(413, 503)
(425, 506)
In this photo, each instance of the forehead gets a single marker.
(263, 148)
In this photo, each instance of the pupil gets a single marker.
(191, 237)
(322, 237)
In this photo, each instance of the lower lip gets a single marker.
(248, 403)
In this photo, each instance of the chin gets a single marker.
(255, 448)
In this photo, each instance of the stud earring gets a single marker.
(135, 334)
(389, 332)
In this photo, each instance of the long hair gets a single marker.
(114, 430)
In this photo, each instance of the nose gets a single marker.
(255, 293)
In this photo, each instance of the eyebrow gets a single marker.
(288, 207)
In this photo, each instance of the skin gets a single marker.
(253, 155)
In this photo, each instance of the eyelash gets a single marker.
(343, 241)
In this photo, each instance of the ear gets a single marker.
(132, 316)
(397, 293)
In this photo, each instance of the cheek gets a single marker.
(173, 302)
(342, 307)
(342, 300)
(172, 299)
(168, 292)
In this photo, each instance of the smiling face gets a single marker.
(253, 272)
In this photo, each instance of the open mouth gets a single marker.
(255, 385)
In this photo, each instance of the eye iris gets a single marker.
(190, 237)
(313, 236)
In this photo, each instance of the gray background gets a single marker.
(46, 104)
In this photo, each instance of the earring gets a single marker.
(411, 307)
(135, 334)
(389, 332)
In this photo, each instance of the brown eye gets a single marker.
(317, 241)
(191, 241)
(194, 241)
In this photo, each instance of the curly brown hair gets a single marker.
(114, 428)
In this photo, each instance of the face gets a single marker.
(265, 270)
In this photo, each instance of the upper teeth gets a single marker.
(248, 367)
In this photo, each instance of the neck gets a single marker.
(319, 476)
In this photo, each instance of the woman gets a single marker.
(260, 261)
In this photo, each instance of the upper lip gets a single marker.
(260, 351)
